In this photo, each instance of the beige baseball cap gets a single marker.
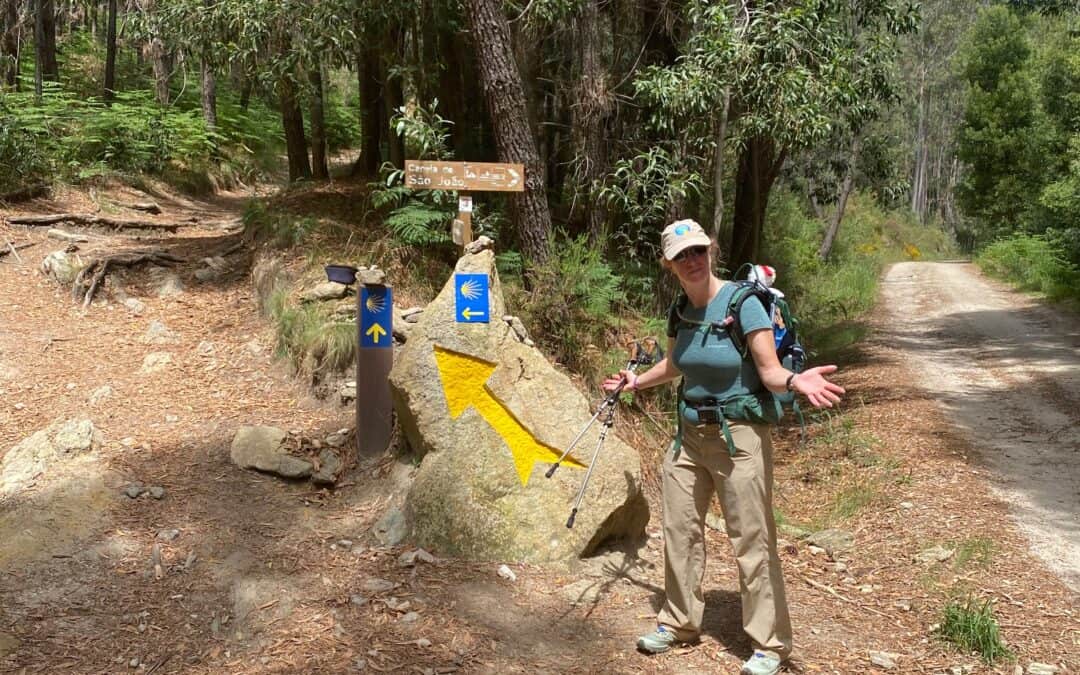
(680, 235)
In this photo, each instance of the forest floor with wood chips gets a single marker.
(264, 576)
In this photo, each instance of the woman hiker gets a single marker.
(700, 463)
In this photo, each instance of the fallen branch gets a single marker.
(14, 250)
(98, 267)
(92, 220)
(55, 233)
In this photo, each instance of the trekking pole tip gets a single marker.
(551, 472)
(570, 520)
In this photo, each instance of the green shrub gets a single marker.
(1034, 263)
(972, 627)
(571, 302)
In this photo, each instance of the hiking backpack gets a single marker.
(789, 350)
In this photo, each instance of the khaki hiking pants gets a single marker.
(743, 483)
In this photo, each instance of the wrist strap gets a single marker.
(790, 381)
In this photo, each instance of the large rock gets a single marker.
(32, 457)
(489, 414)
(62, 266)
(263, 448)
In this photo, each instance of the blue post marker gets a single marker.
(472, 298)
(376, 317)
(374, 359)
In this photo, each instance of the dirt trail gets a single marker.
(1007, 370)
(257, 580)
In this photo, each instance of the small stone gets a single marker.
(100, 394)
(866, 588)
(157, 492)
(907, 505)
(816, 550)
(171, 419)
(507, 573)
(840, 568)
(128, 442)
(205, 348)
(423, 643)
(136, 307)
(168, 535)
(1036, 668)
(134, 490)
(884, 660)
(20, 406)
(358, 600)
(410, 617)
(379, 585)
(70, 386)
(345, 544)
(337, 439)
(410, 558)
(934, 554)
(134, 662)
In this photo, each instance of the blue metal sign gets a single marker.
(376, 317)
(471, 292)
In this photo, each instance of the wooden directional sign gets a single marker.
(480, 176)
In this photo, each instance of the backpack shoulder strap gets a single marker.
(674, 312)
(743, 291)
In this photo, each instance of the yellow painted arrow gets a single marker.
(464, 381)
(375, 332)
(469, 313)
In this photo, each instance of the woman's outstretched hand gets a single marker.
(812, 384)
(612, 382)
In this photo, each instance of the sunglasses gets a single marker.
(692, 252)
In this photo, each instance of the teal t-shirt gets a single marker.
(710, 363)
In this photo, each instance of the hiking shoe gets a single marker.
(761, 664)
(660, 640)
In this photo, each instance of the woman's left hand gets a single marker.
(812, 384)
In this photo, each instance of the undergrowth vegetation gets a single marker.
(1036, 263)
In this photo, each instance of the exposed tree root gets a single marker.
(25, 194)
(91, 276)
(92, 220)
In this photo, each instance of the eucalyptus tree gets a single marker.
(786, 73)
(110, 54)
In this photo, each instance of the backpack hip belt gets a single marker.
(745, 408)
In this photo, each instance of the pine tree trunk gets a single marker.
(319, 163)
(371, 127)
(292, 120)
(46, 40)
(505, 96)
(393, 99)
(841, 201)
(110, 54)
(9, 46)
(594, 106)
(759, 165)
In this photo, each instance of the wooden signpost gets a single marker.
(464, 177)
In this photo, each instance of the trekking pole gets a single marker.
(609, 405)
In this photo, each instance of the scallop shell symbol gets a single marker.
(375, 303)
(470, 290)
